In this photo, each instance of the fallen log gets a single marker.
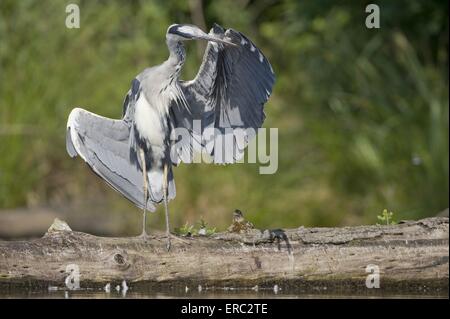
(411, 257)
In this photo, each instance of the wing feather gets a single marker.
(103, 144)
(228, 92)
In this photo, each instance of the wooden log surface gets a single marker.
(412, 258)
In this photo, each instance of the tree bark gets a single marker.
(412, 258)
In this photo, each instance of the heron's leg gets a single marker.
(166, 205)
(145, 183)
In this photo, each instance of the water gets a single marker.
(192, 293)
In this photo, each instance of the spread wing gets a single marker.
(229, 92)
(103, 144)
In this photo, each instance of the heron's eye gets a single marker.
(173, 29)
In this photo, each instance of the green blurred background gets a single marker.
(362, 113)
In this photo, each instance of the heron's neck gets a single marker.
(170, 88)
(176, 58)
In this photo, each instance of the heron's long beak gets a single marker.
(208, 37)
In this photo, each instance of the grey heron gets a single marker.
(135, 154)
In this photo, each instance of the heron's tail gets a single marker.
(156, 184)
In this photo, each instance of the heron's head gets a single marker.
(181, 32)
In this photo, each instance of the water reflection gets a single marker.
(123, 291)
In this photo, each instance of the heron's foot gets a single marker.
(175, 237)
(146, 237)
(169, 238)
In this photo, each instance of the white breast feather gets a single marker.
(148, 122)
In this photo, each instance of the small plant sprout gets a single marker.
(386, 217)
(190, 230)
(186, 230)
(203, 228)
